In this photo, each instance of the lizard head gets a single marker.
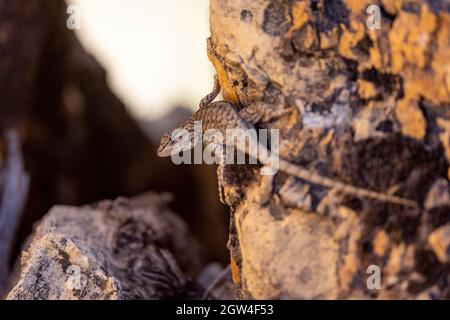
(174, 141)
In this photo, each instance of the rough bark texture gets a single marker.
(368, 107)
(122, 249)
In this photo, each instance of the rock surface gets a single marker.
(366, 107)
(122, 249)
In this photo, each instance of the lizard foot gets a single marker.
(266, 187)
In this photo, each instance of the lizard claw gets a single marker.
(221, 195)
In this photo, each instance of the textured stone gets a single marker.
(123, 249)
(439, 241)
(367, 107)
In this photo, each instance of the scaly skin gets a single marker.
(225, 115)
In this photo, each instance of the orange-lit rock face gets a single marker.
(225, 83)
(415, 46)
(365, 102)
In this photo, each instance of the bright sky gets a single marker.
(154, 50)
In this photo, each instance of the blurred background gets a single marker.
(154, 51)
(90, 104)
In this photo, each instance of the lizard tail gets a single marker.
(309, 176)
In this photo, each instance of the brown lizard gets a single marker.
(224, 115)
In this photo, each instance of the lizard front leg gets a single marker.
(221, 172)
(220, 155)
(209, 98)
(220, 179)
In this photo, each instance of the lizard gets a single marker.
(223, 115)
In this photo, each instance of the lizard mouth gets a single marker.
(163, 152)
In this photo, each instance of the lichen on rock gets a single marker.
(366, 107)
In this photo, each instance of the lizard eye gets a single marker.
(179, 138)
